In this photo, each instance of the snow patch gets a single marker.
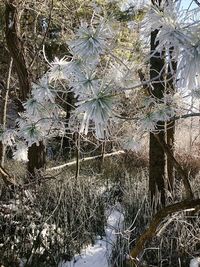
(99, 254)
(195, 262)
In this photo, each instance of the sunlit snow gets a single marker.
(99, 254)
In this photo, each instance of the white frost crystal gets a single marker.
(21, 152)
(90, 41)
(8, 137)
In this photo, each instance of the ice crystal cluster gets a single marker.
(42, 117)
(94, 79)
(178, 33)
(178, 39)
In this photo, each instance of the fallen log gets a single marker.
(86, 159)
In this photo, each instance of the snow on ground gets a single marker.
(195, 262)
(99, 254)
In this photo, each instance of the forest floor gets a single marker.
(99, 254)
(47, 223)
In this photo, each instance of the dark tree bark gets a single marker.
(156, 153)
(170, 143)
(3, 89)
(171, 126)
(68, 138)
(16, 49)
(36, 163)
(183, 174)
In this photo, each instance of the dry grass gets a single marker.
(177, 239)
(50, 221)
(71, 213)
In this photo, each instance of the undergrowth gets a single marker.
(178, 237)
(45, 222)
(51, 221)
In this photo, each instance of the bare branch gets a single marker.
(197, 2)
(150, 232)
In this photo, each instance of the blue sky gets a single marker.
(186, 3)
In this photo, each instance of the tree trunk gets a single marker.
(157, 169)
(37, 159)
(183, 174)
(171, 125)
(68, 138)
(2, 148)
(170, 166)
(16, 49)
(156, 153)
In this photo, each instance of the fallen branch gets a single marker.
(85, 159)
(150, 232)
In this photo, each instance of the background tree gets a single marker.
(36, 153)
(156, 153)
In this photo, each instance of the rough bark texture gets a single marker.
(170, 166)
(156, 153)
(184, 176)
(150, 232)
(68, 138)
(2, 149)
(15, 46)
(171, 125)
(37, 159)
(16, 49)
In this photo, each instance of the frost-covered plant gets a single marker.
(93, 91)
(148, 122)
(84, 83)
(42, 117)
(98, 109)
(169, 19)
(95, 76)
(59, 70)
(90, 41)
(178, 36)
(188, 67)
(21, 152)
(40, 120)
(157, 110)
(43, 91)
(7, 137)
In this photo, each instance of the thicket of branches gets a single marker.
(108, 75)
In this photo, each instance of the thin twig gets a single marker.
(5, 104)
